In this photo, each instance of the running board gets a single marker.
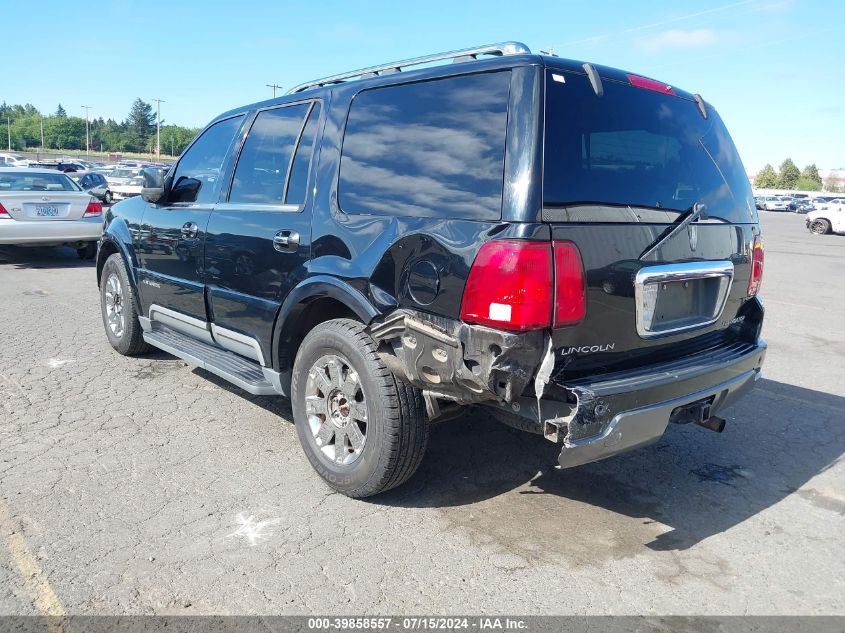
(246, 374)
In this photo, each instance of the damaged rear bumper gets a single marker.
(624, 412)
(593, 418)
(639, 427)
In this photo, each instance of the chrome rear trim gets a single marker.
(686, 271)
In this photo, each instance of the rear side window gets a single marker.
(266, 156)
(430, 149)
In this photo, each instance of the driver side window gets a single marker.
(197, 177)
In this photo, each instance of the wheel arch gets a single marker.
(110, 244)
(315, 300)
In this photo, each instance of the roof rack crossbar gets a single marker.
(466, 54)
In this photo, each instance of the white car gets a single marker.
(129, 189)
(775, 203)
(44, 207)
(828, 218)
(122, 175)
(13, 160)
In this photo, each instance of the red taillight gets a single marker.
(651, 84)
(510, 286)
(570, 302)
(756, 267)
(3, 212)
(516, 285)
(94, 208)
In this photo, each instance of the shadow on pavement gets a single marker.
(697, 482)
(42, 257)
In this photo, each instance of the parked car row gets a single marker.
(795, 204)
(13, 160)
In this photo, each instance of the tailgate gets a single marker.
(678, 300)
(647, 183)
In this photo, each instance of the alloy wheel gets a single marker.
(337, 409)
(114, 305)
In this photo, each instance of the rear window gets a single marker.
(36, 182)
(635, 155)
(430, 149)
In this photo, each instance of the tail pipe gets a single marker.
(714, 423)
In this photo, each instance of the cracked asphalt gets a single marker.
(141, 485)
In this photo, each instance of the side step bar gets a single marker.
(246, 374)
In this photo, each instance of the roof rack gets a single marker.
(462, 55)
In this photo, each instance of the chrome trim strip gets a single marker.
(465, 54)
(238, 343)
(681, 272)
(236, 206)
(181, 322)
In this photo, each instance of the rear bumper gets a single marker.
(640, 427)
(51, 232)
(627, 413)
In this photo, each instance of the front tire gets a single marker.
(363, 430)
(820, 226)
(118, 307)
(108, 198)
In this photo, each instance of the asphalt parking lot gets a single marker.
(136, 486)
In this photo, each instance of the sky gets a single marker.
(774, 69)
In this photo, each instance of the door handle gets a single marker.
(286, 241)
(190, 230)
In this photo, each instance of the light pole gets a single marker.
(41, 116)
(9, 131)
(158, 129)
(87, 132)
(274, 87)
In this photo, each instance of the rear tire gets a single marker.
(363, 430)
(89, 251)
(118, 307)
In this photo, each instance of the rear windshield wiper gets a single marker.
(681, 222)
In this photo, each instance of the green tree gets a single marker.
(766, 178)
(26, 131)
(139, 125)
(174, 138)
(60, 112)
(808, 184)
(811, 172)
(788, 175)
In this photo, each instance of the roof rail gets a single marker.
(462, 55)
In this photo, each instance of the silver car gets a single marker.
(44, 207)
(776, 203)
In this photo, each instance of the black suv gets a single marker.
(574, 248)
